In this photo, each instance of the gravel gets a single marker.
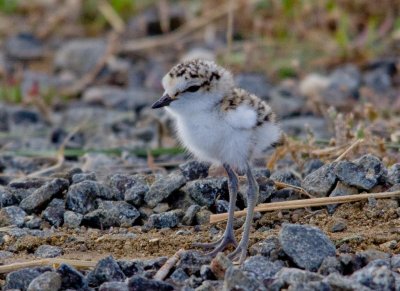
(163, 187)
(307, 246)
(321, 181)
(42, 196)
(48, 281)
(12, 215)
(47, 251)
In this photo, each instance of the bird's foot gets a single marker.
(239, 254)
(219, 245)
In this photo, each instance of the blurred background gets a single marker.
(77, 77)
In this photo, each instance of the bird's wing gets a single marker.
(242, 117)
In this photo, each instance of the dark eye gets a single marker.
(192, 88)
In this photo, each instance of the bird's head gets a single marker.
(193, 83)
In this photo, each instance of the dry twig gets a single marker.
(281, 185)
(112, 16)
(306, 203)
(47, 262)
(349, 149)
(169, 264)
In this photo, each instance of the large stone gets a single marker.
(356, 175)
(162, 188)
(48, 281)
(54, 213)
(106, 269)
(39, 199)
(261, 268)
(205, 191)
(321, 181)
(71, 278)
(376, 275)
(111, 213)
(136, 192)
(72, 219)
(22, 278)
(81, 197)
(12, 215)
(307, 246)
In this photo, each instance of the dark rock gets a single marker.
(12, 215)
(363, 258)
(311, 165)
(34, 222)
(77, 178)
(122, 182)
(81, 197)
(372, 165)
(221, 206)
(191, 262)
(22, 278)
(285, 194)
(205, 191)
(194, 170)
(355, 175)
(292, 277)
(261, 173)
(79, 56)
(306, 245)
(131, 268)
(106, 269)
(28, 183)
(154, 264)
(261, 268)
(269, 248)
(236, 279)
(379, 80)
(219, 265)
(25, 117)
(254, 83)
(394, 174)
(71, 278)
(54, 213)
(47, 251)
(4, 119)
(320, 182)
(167, 219)
(72, 219)
(163, 187)
(330, 265)
(6, 197)
(111, 213)
(114, 286)
(190, 215)
(178, 276)
(39, 199)
(206, 273)
(24, 47)
(338, 282)
(203, 216)
(48, 281)
(376, 275)
(266, 189)
(137, 283)
(340, 190)
(135, 193)
(338, 224)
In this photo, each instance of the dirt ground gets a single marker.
(368, 227)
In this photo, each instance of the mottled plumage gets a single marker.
(220, 123)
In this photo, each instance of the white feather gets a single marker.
(243, 117)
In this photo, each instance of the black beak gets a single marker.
(163, 101)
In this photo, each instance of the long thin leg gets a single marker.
(252, 197)
(228, 237)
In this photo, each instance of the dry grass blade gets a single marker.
(349, 149)
(281, 185)
(169, 264)
(306, 203)
(47, 262)
(112, 16)
(178, 35)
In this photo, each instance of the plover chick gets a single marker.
(222, 124)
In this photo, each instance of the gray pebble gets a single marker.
(306, 245)
(47, 251)
(72, 219)
(194, 170)
(311, 165)
(140, 283)
(261, 268)
(48, 281)
(34, 222)
(394, 174)
(162, 188)
(178, 276)
(106, 269)
(356, 175)
(236, 279)
(22, 278)
(24, 46)
(269, 248)
(203, 216)
(205, 191)
(7, 198)
(130, 268)
(191, 261)
(321, 181)
(190, 215)
(376, 275)
(167, 219)
(39, 199)
(338, 225)
(286, 176)
(71, 278)
(79, 177)
(12, 215)
(54, 213)
(81, 197)
(114, 286)
(330, 265)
